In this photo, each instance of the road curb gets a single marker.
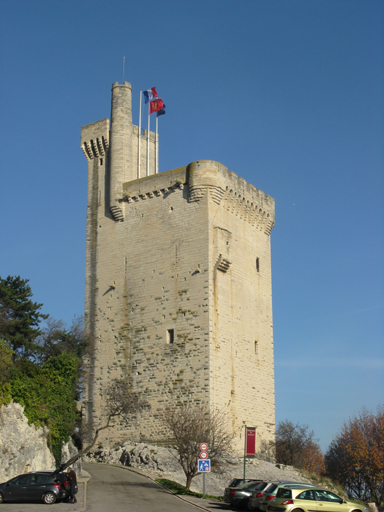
(83, 480)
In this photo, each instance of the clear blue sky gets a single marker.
(287, 94)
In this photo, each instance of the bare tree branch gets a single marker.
(188, 427)
(121, 403)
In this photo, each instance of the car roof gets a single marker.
(247, 484)
(300, 485)
(290, 485)
(304, 488)
(297, 489)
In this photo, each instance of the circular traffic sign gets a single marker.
(203, 447)
(203, 455)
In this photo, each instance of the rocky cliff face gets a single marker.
(23, 447)
(68, 451)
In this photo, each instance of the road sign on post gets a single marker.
(204, 466)
(204, 463)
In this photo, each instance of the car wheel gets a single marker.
(1, 498)
(246, 504)
(49, 498)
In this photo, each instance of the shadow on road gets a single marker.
(135, 484)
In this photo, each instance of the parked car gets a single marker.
(308, 499)
(270, 493)
(258, 492)
(239, 496)
(37, 486)
(235, 482)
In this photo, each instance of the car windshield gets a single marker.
(261, 486)
(250, 486)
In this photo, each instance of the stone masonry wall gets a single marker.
(152, 277)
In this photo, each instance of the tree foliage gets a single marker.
(48, 393)
(20, 317)
(55, 338)
(40, 367)
(295, 446)
(189, 426)
(313, 459)
(5, 372)
(355, 458)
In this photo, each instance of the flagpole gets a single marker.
(138, 163)
(149, 124)
(157, 146)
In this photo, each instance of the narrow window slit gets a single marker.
(170, 336)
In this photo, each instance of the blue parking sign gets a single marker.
(204, 465)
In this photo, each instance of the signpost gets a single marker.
(204, 463)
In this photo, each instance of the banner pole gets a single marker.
(245, 447)
(157, 146)
(138, 164)
(149, 124)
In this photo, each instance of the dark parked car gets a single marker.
(239, 496)
(39, 486)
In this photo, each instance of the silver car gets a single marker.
(261, 489)
(271, 492)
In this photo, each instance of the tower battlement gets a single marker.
(178, 284)
(208, 177)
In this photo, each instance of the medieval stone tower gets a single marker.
(178, 282)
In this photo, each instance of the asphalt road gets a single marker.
(115, 489)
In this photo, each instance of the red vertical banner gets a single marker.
(250, 447)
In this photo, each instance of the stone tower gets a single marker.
(178, 282)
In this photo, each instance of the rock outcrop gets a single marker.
(68, 450)
(23, 447)
(160, 462)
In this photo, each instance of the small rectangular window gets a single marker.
(256, 347)
(101, 161)
(170, 336)
(257, 264)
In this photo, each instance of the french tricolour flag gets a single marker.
(149, 94)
